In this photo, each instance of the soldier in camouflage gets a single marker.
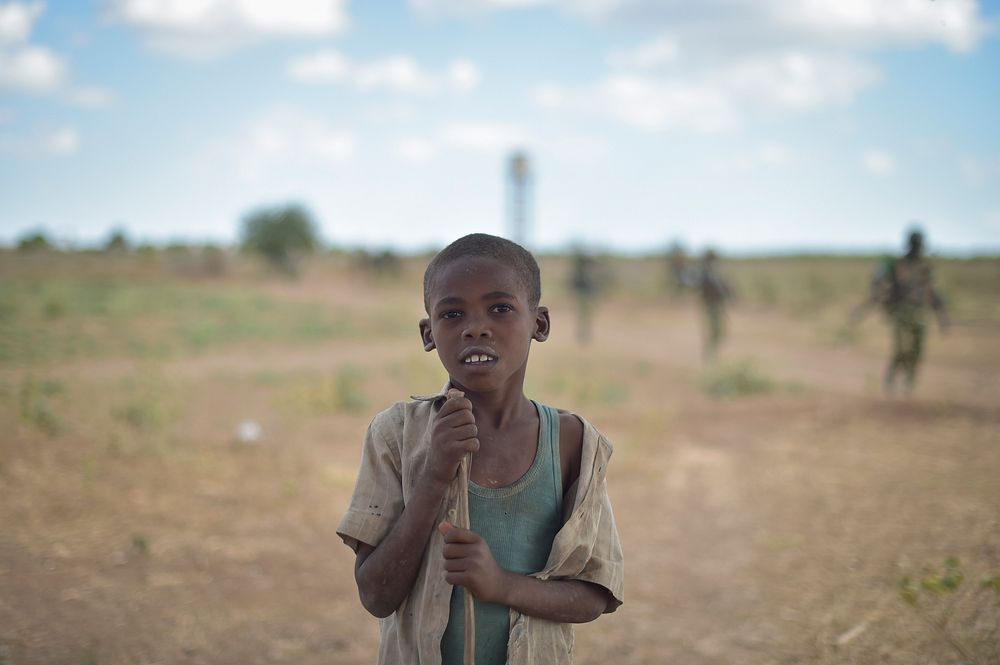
(906, 290)
(584, 283)
(714, 292)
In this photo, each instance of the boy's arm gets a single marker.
(470, 564)
(386, 572)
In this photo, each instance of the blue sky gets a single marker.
(750, 125)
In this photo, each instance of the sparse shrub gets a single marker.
(383, 265)
(736, 380)
(117, 241)
(34, 241)
(140, 543)
(281, 235)
(766, 290)
(936, 597)
(146, 409)
(35, 407)
(213, 260)
(350, 395)
(343, 392)
(142, 414)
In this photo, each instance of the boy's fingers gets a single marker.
(469, 431)
(445, 527)
(454, 404)
(458, 551)
(454, 410)
(458, 535)
(455, 565)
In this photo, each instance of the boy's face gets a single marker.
(481, 323)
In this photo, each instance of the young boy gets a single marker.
(543, 551)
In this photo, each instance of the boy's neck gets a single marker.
(499, 408)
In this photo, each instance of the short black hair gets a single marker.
(493, 247)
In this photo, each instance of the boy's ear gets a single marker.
(425, 335)
(542, 324)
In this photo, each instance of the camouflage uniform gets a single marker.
(584, 282)
(907, 291)
(714, 292)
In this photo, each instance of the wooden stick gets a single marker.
(462, 520)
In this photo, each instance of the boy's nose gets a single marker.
(476, 328)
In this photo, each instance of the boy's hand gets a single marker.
(470, 564)
(453, 435)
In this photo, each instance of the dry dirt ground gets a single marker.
(767, 528)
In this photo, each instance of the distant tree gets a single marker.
(281, 235)
(34, 241)
(117, 241)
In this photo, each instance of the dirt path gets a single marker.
(764, 529)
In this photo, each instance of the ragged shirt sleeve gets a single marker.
(588, 547)
(605, 566)
(377, 500)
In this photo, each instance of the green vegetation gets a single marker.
(36, 404)
(938, 596)
(33, 241)
(48, 320)
(344, 392)
(736, 380)
(281, 235)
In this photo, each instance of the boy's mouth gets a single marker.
(478, 358)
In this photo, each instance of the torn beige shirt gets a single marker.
(585, 548)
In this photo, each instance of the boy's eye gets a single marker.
(451, 314)
(502, 308)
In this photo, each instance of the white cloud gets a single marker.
(721, 24)
(204, 28)
(718, 96)
(17, 20)
(326, 66)
(864, 23)
(415, 150)
(795, 80)
(93, 97)
(992, 219)
(65, 141)
(484, 137)
(498, 139)
(278, 141)
(663, 51)
(773, 154)
(398, 73)
(878, 162)
(471, 7)
(980, 171)
(58, 142)
(33, 69)
(464, 74)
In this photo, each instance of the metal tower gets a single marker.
(519, 179)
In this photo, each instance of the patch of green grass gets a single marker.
(938, 597)
(140, 543)
(147, 408)
(737, 380)
(47, 320)
(35, 403)
(344, 392)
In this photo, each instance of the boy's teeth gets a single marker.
(477, 358)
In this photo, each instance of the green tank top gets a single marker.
(519, 523)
